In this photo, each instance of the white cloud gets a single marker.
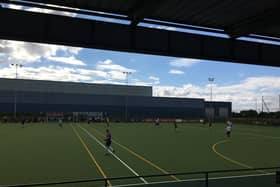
(95, 73)
(61, 73)
(45, 11)
(108, 65)
(155, 79)
(176, 72)
(48, 11)
(67, 60)
(26, 52)
(56, 73)
(16, 7)
(166, 28)
(114, 71)
(245, 95)
(116, 75)
(162, 27)
(183, 62)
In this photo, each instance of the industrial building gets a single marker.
(120, 102)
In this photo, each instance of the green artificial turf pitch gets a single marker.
(41, 153)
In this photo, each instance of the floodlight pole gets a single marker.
(262, 105)
(125, 102)
(279, 104)
(15, 92)
(256, 104)
(126, 75)
(211, 80)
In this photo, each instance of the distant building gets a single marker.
(118, 101)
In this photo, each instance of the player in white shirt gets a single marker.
(60, 122)
(157, 122)
(229, 123)
(228, 129)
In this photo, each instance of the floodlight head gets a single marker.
(17, 65)
(127, 72)
(211, 79)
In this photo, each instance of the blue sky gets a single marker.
(243, 85)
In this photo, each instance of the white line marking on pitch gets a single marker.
(134, 172)
(199, 179)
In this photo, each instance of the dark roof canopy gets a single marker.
(235, 17)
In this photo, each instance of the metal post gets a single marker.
(256, 105)
(106, 183)
(211, 94)
(279, 103)
(277, 174)
(211, 80)
(125, 107)
(206, 179)
(125, 102)
(262, 104)
(15, 92)
(126, 75)
(15, 105)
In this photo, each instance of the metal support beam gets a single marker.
(64, 9)
(254, 23)
(142, 9)
(62, 30)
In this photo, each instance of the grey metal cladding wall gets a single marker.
(114, 105)
(60, 98)
(217, 105)
(85, 99)
(165, 102)
(71, 87)
(76, 99)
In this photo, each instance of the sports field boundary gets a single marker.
(237, 131)
(230, 159)
(141, 157)
(257, 135)
(205, 173)
(114, 155)
(199, 179)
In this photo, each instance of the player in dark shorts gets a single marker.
(228, 130)
(175, 125)
(108, 142)
(157, 122)
(22, 122)
(210, 122)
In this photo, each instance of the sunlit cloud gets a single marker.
(176, 72)
(244, 95)
(183, 62)
(108, 65)
(156, 80)
(67, 60)
(26, 52)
